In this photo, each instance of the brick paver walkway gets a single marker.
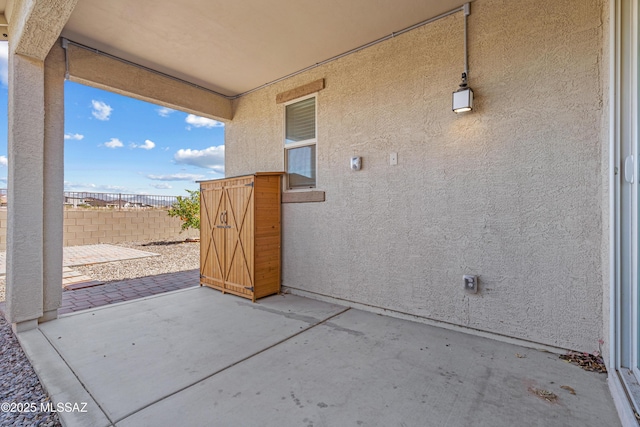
(125, 290)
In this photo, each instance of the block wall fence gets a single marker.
(90, 227)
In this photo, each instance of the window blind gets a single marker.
(301, 121)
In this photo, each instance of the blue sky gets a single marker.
(117, 144)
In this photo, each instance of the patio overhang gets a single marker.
(233, 47)
(196, 56)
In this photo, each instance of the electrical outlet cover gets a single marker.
(470, 284)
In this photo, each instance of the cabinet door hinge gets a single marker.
(250, 288)
(249, 184)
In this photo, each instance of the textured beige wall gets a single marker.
(89, 227)
(512, 192)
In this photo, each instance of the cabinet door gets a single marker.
(239, 245)
(212, 234)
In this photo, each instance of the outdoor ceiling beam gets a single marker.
(93, 69)
(34, 26)
(4, 30)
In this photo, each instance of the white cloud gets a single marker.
(4, 64)
(162, 186)
(4, 161)
(176, 177)
(202, 122)
(148, 145)
(101, 111)
(209, 158)
(113, 143)
(76, 136)
(164, 111)
(112, 188)
(72, 186)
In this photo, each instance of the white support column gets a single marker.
(25, 192)
(35, 153)
(53, 181)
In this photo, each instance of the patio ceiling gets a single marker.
(233, 47)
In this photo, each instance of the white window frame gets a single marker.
(624, 234)
(305, 143)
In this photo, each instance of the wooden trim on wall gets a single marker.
(303, 196)
(300, 91)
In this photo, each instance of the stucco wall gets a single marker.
(90, 227)
(512, 192)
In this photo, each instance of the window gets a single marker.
(300, 143)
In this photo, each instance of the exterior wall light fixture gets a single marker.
(463, 97)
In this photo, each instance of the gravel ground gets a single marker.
(174, 256)
(19, 386)
(18, 381)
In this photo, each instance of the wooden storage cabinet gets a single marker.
(240, 234)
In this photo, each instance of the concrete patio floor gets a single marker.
(195, 357)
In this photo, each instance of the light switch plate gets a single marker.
(356, 163)
(393, 159)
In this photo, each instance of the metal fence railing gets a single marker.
(117, 200)
(82, 199)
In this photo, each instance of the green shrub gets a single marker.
(188, 210)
